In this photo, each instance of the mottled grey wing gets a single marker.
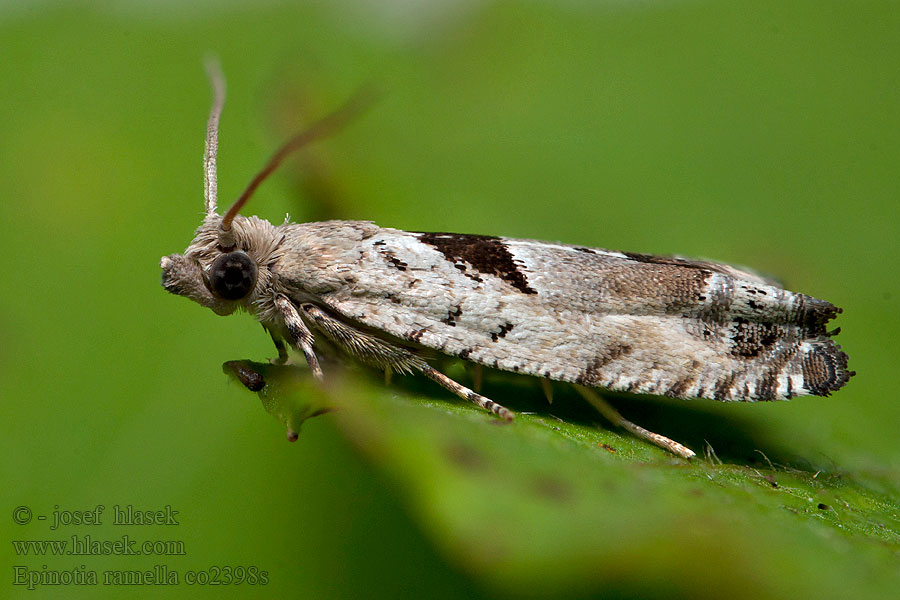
(627, 322)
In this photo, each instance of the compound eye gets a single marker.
(232, 275)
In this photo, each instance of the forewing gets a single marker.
(630, 322)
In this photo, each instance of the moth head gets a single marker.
(221, 277)
(183, 275)
(223, 284)
(221, 268)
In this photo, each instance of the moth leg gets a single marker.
(380, 353)
(280, 346)
(548, 390)
(477, 376)
(466, 394)
(302, 336)
(612, 415)
(361, 345)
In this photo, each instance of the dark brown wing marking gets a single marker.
(486, 254)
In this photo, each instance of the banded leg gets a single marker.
(361, 345)
(302, 336)
(613, 416)
(380, 353)
(279, 345)
(466, 394)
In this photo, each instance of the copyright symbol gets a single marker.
(22, 515)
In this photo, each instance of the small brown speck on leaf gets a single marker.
(552, 488)
(464, 456)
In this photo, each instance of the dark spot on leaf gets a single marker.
(465, 456)
(552, 488)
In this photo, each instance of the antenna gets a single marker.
(217, 81)
(324, 127)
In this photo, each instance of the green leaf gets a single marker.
(553, 500)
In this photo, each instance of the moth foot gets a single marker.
(467, 394)
(613, 416)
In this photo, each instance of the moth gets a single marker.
(590, 317)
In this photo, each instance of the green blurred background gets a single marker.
(761, 133)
